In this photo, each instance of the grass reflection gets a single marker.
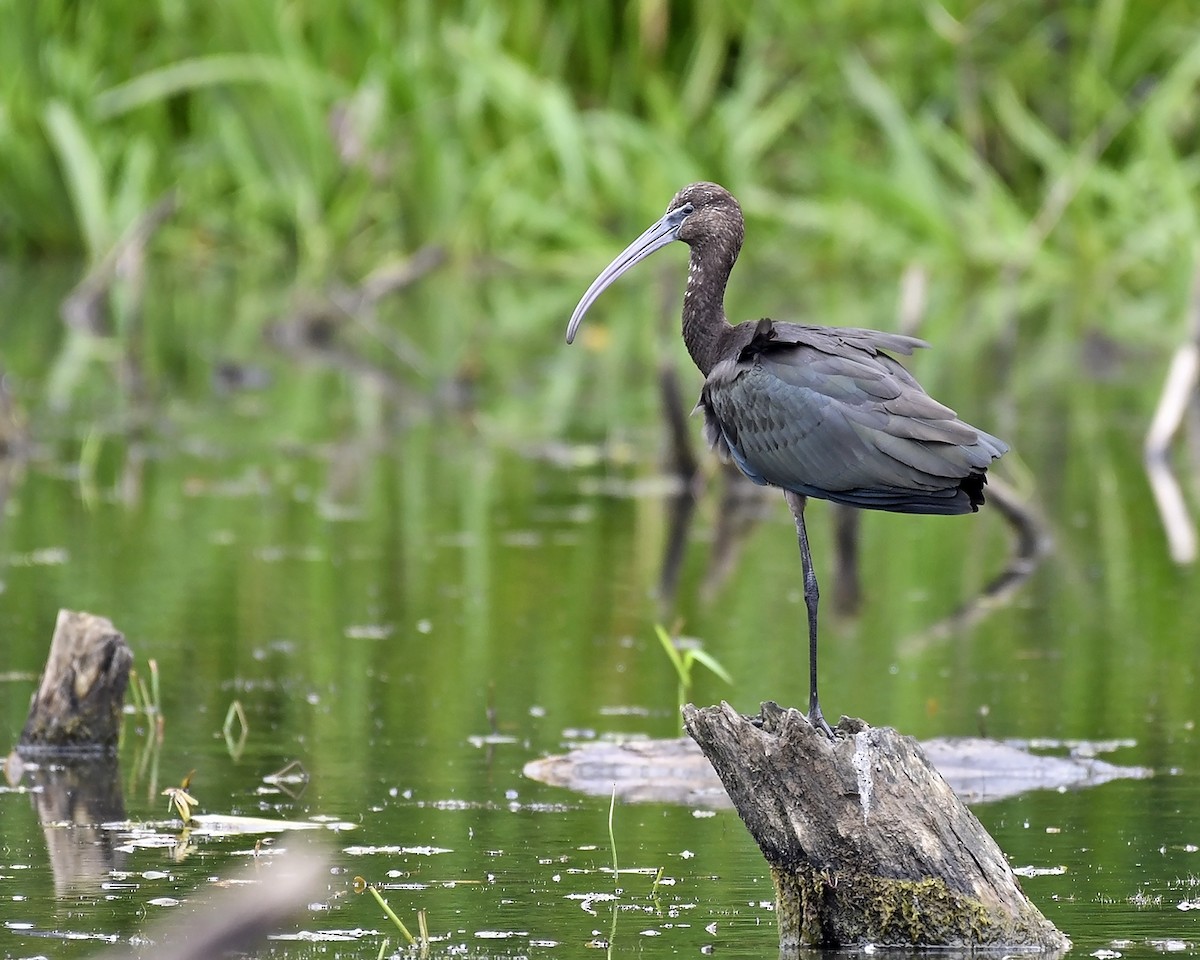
(381, 586)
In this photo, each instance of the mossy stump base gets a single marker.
(866, 842)
(78, 704)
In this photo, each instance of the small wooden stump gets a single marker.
(77, 708)
(866, 842)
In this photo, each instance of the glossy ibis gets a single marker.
(816, 411)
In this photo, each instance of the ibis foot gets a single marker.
(817, 719)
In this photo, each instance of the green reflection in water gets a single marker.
(370, 576)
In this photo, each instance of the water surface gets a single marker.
(413, 599)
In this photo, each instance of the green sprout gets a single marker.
(612, 839)
(684, 660)
(361, 886)
(147, 700)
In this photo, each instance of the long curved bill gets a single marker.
(655, 238)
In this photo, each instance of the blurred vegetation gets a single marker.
(1038, 159)
(979, 135)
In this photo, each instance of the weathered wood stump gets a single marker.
(866, 842)
(77, 708)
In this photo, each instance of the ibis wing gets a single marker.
(841, 340)
(844, 422)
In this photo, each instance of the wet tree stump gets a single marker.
(77, 708)
(865, 841)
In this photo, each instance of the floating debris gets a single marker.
(220, 825)
(362, 851)
(675, 771)
(1039, 871)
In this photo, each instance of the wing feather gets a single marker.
(824, 412)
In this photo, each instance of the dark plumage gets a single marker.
(817, 411)
(824, 413)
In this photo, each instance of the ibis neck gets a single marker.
(704, 321)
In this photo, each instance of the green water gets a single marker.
(414, 599)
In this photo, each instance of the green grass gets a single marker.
(361, 885)
(684, 659)
(470, 118)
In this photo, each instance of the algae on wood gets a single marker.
(865, 840)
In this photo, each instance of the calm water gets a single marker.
(414, 605)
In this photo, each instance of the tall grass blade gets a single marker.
(216, 70)
(612, 838)
(84, 174)
(915, 173)
(708, 660)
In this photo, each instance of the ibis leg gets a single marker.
(811, 596)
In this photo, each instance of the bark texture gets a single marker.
(865, 840)
(77, 708)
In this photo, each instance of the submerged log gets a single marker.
(642, 770)
(866, 842)
(77, 708)
(637, 771)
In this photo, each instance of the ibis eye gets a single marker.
(687, 209)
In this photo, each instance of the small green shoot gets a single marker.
(657, 880)
(684, 661)
(155, 695)
(361, 886)
(135, 692)
(654, 898)
(612, 845)
(146, 700)
(612, 838)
